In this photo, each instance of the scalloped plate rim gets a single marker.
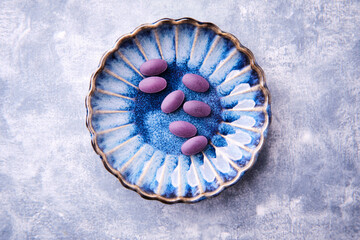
(252, 63)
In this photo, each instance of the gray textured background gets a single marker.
(305, 185)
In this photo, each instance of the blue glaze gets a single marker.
(201, 47)
(132, 133)
(149, 183)
(129, 49)
(184, 31)
(136, 167)
(102, 101)
(218, 141)
(118, 66)
(154, 124)
(251, 78)
(169, 187)
(110, 83)
(103, 122)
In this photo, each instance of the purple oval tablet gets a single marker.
(197, 108)
(194, 145)
(195, 82)
(182, 129)
(172, 101)
(152, 84)
(153, 67)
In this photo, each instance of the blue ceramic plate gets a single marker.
(130, 132)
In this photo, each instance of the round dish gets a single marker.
(130, 132)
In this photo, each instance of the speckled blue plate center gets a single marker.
(153, 124)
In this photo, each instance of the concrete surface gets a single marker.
(305, 185)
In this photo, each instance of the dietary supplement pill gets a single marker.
(194, 145)
(197, 108)
(172, 101)
(182, 129)
(153, 67)
(152, 84)
(195, 82)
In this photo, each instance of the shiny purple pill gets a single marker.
(182, 129)
(152, 84)
(153, 67)
(197, 108)
(172, 101)
(195, 82)
(194, 145)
